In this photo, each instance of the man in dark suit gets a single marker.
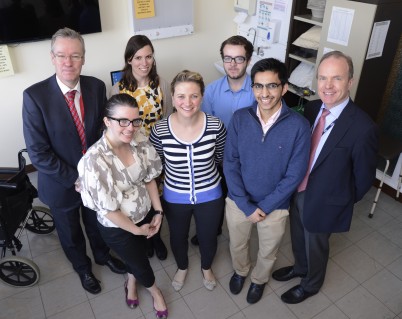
(341, 171)
(55, 146)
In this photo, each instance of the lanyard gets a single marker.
(329, 127)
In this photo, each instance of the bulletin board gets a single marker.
(159, 19)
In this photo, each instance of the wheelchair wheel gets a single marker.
(40, 221)
(19, 271)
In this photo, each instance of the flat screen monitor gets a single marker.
(34, 20)
(116, 76)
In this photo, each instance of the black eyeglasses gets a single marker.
(126, 123)
(270, 86)
(237, 59)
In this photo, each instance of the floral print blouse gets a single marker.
(107, 185)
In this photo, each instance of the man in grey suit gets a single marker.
(342, 169)
(62, 117)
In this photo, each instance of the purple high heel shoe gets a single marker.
(161, 314)
(131, 303)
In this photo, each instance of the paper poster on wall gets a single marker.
(377, 39)
(144, 9)
(264, 13)
(6, 67)
(280, 5)
(340, 25)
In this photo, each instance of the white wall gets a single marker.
(104, 53)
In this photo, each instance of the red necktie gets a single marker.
(315, 139)
(78, 123)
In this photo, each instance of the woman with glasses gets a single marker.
(117, 180)
(190, 144)
(141, 80)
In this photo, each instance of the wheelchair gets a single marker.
(17, 214)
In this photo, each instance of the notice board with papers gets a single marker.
(159, 19)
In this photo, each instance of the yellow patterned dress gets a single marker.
(150, 103)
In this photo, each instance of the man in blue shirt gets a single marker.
(231, 92)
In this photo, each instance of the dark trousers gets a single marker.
(72, 239)
(207, 219)
(132, 250)
(224, 195)
(310, 250)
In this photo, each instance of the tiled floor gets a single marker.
(364, 280)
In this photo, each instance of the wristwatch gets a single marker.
(159, 212)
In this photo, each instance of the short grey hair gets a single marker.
(67, 33)
(339, 55)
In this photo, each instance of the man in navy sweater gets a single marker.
(266, 157)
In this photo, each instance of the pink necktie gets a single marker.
(78, 124)
(315, 139)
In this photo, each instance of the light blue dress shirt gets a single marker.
(219, 100)
(330, 122)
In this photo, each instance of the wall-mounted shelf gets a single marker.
(308, 18)
(366, 19)
(311, 60)
(301, 21)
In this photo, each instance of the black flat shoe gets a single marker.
(90, 283)
(286, 273)
(255, 292)
(236, 283)
(296, 295)
(160, 248)
(115, 265)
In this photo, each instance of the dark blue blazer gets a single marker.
(52, 140)
(343, 172)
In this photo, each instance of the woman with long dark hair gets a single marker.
(141, 81)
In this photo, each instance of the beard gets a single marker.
(237, 76)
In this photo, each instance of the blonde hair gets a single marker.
(188, 76)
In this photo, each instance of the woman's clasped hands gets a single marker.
(150, 229)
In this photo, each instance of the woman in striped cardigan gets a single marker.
(190, 144)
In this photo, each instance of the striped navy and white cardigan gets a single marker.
(191, 174)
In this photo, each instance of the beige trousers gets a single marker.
(270, 233)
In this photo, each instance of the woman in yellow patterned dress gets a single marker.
(141, 80)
